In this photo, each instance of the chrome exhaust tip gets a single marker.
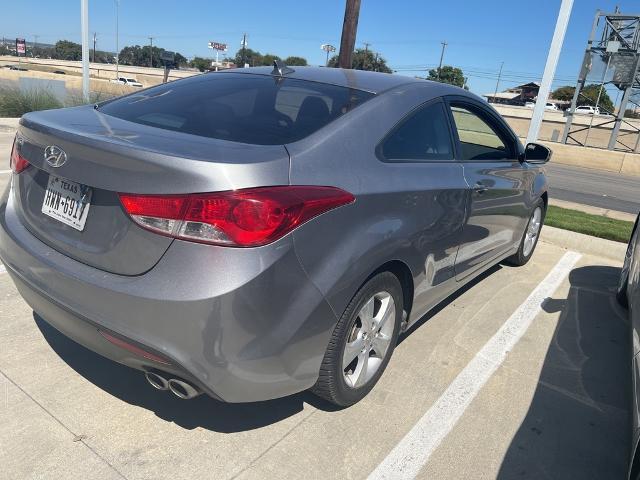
(182, 389)
(157, 381)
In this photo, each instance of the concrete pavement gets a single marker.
(557, 407)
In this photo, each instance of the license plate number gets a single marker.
(67, 201)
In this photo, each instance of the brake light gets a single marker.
(241, 218)
(18, 162)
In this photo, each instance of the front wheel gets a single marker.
(530, 236)
(362, 342)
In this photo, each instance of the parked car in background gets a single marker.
(132, 82)
(258, 232)
(588, 110)
(551, 106)
(628, 295)
(530, 104)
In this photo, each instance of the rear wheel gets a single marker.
(362, 342)
(530, 236)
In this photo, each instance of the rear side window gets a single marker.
(256, 109)
(423, 136)
(479, 140)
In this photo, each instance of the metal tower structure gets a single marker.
(615, 42)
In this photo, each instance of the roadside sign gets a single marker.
(167, 56)
(21, 46)
(222, 47)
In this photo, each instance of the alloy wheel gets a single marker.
(533, 230)
(369, 340)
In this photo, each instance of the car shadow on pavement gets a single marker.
(448, 301)
(578, 424)
(130, 386)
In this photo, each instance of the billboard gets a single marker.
(21, 46)
(222, 47)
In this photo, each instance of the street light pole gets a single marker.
(117, 46)
(84, 22)
(327, 48)
(549, 69)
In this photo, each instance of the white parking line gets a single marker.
(414, 450)
(2, 269)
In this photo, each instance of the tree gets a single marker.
(295, 61)
(564, 93)
(180, 59)
(447, 74)
(200, 63)
(588, 96)
(140, 56)
(268, 59)
(364, 60)
(251, 57)
(66, 50)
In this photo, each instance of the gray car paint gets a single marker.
(633, 296)
(253, 324)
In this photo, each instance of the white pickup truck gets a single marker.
(132, 82)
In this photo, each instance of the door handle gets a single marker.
(480, 187)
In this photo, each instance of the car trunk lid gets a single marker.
(110, 155)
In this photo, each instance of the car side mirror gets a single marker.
(536, 153)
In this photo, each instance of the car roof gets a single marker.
(374, 82)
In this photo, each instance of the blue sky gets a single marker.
(480, 34)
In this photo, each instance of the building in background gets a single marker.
(521, 95)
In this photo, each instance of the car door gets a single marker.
(497, 180)
(421, 150)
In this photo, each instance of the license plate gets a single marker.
(67, 201)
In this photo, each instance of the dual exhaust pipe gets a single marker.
(178, 387)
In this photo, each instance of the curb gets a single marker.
(604, 212)
(584, 243)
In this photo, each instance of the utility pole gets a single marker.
(117, 46)
(244, 47)
(444, 45)
(151, 51)
(35, 45)
(366, 55)
(550, 69)
(349, 30)
(498, 82)
(84, 22)
(94, 46)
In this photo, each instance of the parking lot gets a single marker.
(556, 407)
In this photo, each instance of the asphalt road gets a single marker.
(594, 187)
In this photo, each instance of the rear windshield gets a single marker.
(256, 109)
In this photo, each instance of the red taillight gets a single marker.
(241, 218)
(18, 162)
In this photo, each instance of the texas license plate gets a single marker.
(67, 201)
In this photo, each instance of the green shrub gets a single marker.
(15, 102)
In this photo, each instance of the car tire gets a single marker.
(367, 331)
(530, 236)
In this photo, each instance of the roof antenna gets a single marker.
(280, 69)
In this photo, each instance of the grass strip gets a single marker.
(594, 225)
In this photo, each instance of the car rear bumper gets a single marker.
(242, 324)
